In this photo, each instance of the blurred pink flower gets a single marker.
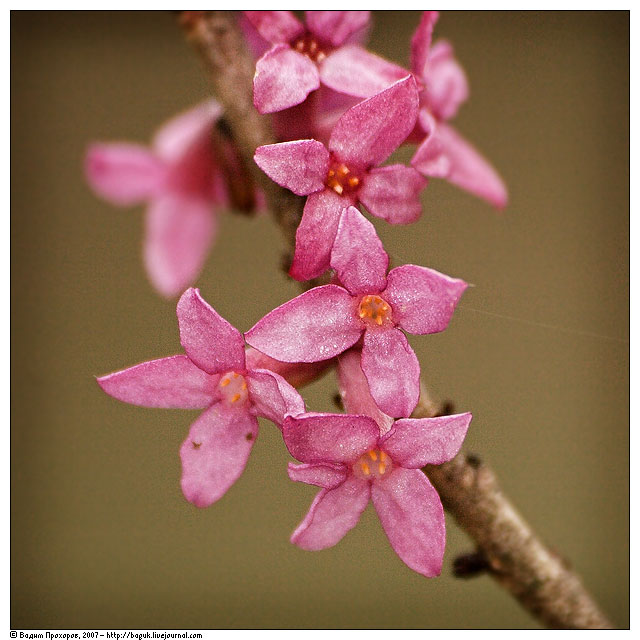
(327, 320)
(213, 375)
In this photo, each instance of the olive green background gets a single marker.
(538, 349)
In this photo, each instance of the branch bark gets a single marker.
(516, 557)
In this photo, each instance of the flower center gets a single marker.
(342, 179)
(373, 465)
(374, 310)
(233, 388)
(307, 45)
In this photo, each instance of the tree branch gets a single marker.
(542, 582)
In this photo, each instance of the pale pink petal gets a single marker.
(413, 443)
(421, 43)
(411, 515)
(446, 86)
(316, 233)
(167, 383)
(272, 396)
(354, 390)
(329, 437)
(393, 193)
(335, 27)
(209, 340)
(358, 255)
(297, 374)
(283, 79)
(317, 325)
(179, 231)
(359, 73)
(370, 132)
(423, 300)
(332, 515)
(275, 26)
(325, 475)
(176, 137)
(392, 371)
(122, 173)
(300, 166)
(215, 452)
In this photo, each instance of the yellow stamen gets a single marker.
(244, 386)
(382, 468)
(372, 455)
(383, 456)
(225, 382)
(365, 469)
(235, 397)
(378, 319)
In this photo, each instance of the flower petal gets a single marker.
(317, 325)
(215, 452)
(357, 72)
(297, 374)
(411, 515)
(358, 255)
(393, 193)
(368, 133)
(354, 390)
(421, 43)
(272, 396)
(283, 79)
(446, 86)
(209, 340)
(329, 437)
(275, 26)
(335, 27)
(179, 232)
(300, 166)
(392, 371)
(430, 158)
(168, 383)
(122, 173)
(423, 300)
(332, 515)
(316, 233)
(413, 443)
(325, 475)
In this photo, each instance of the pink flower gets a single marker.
(353, 459)
(213, 376)
(327, 320)
(293, 67)
(182, 183)
(347, 172)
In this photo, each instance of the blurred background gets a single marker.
(101, 536)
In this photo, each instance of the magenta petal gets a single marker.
(411, 515)
(335, 27)
(430, 158)
(297, 374)
(413, 443)
(317, 325)
(215, 453)
(209, 340)
(272, 396)
(421, 43)
(300, 166)
(423, 300)
(275, 26)
(283, 79)
(392, 371)
(167, 383)
(358, 255)
(368, 133)
(393, 193)
(354, 390)
(446, 86)
(329, 437)
(122, 173)
(316, 233)
(332, 515)
(179, 232)
(325, 475)
(357, 72)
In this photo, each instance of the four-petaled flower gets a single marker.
(213, 376)
(347, 172)
(327, 320)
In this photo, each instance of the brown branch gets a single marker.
(514, 555)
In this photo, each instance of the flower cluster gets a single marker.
(359, 110)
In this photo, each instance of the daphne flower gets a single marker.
(213, 375)
(179, 178)
(347, 172)
(327, 320)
